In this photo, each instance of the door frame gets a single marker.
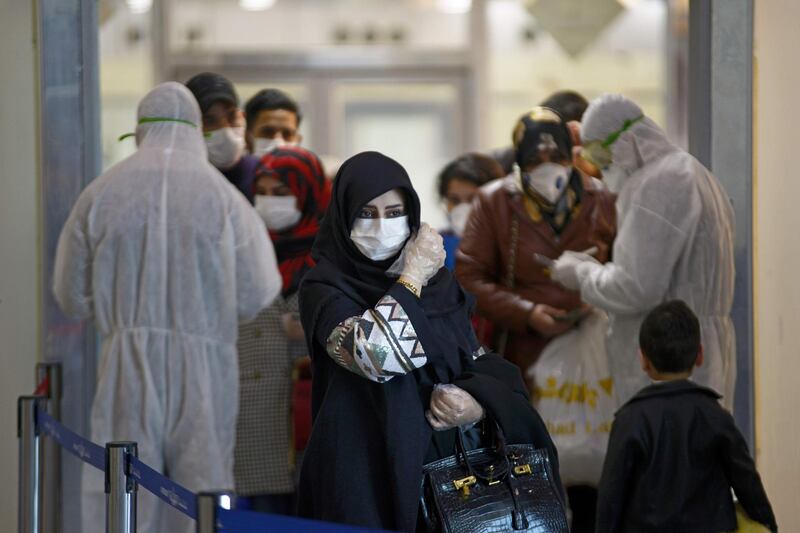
(720, 122)
(323, 72)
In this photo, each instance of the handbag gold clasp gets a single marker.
(464, 484)
(522, 470)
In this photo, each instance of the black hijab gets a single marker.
(341, 268)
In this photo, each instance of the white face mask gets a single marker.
(549, 180)
(459, 216)
(262, 146)
(225, 147)
(278, 212)
(380, 238)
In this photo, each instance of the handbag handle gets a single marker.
(461, 449)
(518, 519)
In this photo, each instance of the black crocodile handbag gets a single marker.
(489, 490)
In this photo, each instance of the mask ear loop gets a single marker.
(149, 120)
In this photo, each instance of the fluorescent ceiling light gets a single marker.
(139, 6)
(256, 5)
(454, 7)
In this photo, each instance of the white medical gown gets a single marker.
(167, 257)
(675, 241)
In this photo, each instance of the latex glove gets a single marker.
(452, 407)
(423, 256)
(565, 269)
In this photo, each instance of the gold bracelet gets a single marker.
(410, 287)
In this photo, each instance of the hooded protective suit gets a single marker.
(166, 256)
(675, 241)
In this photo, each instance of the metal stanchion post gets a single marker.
(51, 459)
(120, 488)
(207, 505)
(30, 464)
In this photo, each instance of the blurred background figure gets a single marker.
(291, 195)
(675, 241)
(273, 121)
(458, 184)
(165, 256)
(223, 129)
(518, 225)
(543, 208)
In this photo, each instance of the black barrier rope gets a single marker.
(178, 497)
(83, 449)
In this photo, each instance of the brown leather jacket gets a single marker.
(482, 261)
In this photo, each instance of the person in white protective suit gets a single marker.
(166, 256)
(674, 241)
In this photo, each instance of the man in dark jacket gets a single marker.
(223, 129)
(674, 453)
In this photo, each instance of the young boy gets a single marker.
(674, 452)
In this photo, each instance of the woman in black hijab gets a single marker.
(380, 344)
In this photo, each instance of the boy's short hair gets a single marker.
(670, 337)
(268, 100)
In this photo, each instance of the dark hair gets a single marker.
(670, 337)
(267, 100)
(473, 168)
(569, 104)
(209, 88)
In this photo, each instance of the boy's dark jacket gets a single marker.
(673, 456)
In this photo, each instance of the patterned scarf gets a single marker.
(301, 171)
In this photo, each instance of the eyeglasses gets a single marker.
(599, 153)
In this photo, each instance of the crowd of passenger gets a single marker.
(307, 340)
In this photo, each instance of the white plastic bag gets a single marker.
(574, 395)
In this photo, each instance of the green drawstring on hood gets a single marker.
(150, 120)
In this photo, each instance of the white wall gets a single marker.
(777, 259)
(19, 230)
